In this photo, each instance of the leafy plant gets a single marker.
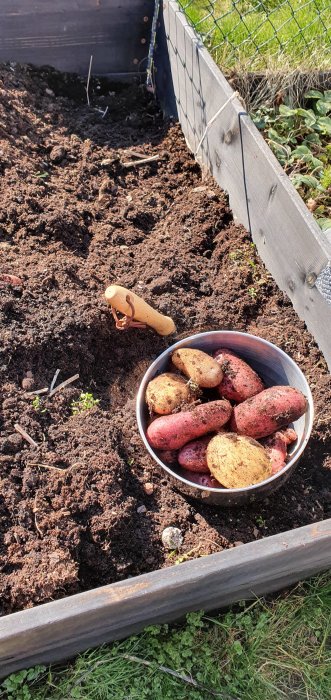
(18, 685)
(300, 139)
(83, 403)
(37, 405)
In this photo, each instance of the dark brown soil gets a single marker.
(70, 509)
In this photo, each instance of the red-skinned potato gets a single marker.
(168, 456)
(202, 369)
(193, 456)
(276, 447)
(172, 432)
(239, 382)
(201, 479)
(268, 411)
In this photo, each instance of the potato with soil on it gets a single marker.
(167, 392)
(237, 461)
(202, 369)
(193, 456)
(240, 381)
(172, 432)
(268, 411)
(276, 447)
(201, 479)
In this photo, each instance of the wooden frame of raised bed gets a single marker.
(292, 247)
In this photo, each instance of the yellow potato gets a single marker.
(237, 461)
(202, 369)
(167, 392)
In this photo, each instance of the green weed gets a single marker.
(38, 405)
(300, 139)
(83, 403)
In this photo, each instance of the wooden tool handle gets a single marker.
(116, 297)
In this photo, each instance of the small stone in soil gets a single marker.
(141, 509)
(148, 488)
(172, 538)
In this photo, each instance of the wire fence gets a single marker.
(251, 35)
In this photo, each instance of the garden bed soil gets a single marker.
(71, 515)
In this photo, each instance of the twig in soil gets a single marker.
(101, 111)
(61, 386)
(47, 466)
(35, 511)
(54, 380)
(88, 81)
(38, 391)
(25, 435)
(135, 154)
(142, 161)
(170, 672)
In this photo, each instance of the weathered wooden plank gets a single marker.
(60, 629)
(65, 34)
(261, 196)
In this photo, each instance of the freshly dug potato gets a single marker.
(193, 456)
(276, 447)
(201, 479)
(167, 392)
(202, 369)
(239, 382)
(268, 411)
(168, 456)
(237, 461)
(172, 432)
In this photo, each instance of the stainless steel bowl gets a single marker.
(275, 367)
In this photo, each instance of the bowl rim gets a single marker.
(140, 402)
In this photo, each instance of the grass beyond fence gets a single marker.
(253, 35)
(258, 651)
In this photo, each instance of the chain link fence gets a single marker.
(251, 35)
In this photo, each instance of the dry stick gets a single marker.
(25, 435)
(54, 380)
(135, 154)
(180, 676)
(38, 391)
(142, 161)
(88, 81)
(35, 510)
(47, 466)
(61, 386)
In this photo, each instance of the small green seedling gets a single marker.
(83, 403)
(37, 405)
(260, 521)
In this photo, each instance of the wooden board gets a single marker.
(262, 197)
(60, 629)
(65, 33)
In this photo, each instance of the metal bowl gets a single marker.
(275, 367)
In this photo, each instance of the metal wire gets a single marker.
(257, 34)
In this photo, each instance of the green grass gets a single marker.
(256, 651)
(253, 35)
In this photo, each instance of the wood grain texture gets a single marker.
(261, 196)
(64, 34)
(60, 629)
